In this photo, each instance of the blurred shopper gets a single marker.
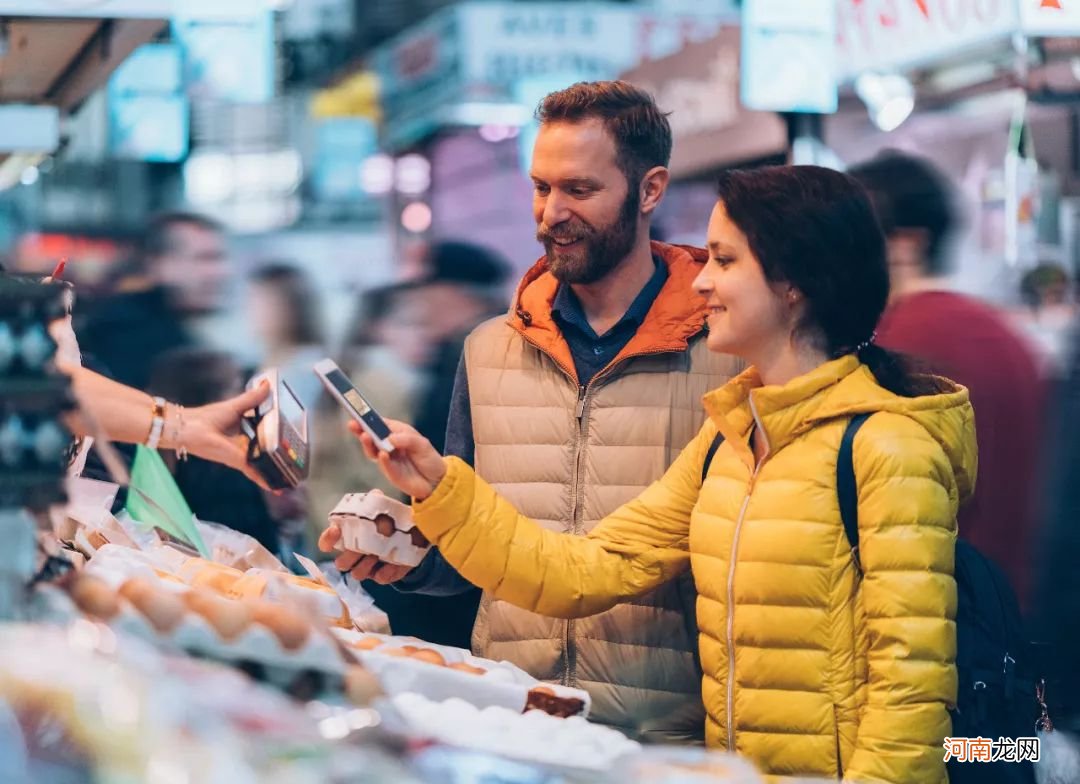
(178, 272)
(581, 396)
(387, 349)
(1056, 609)
(970, 342)
(283, 309)
(1049, 314)
(464, 286)
(217, 494)
(819, 662)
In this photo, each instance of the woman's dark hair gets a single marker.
(815, 229)
(301, 301)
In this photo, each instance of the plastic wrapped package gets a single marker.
(83, 704)
(668, 765)
(407, 665)
(572, 745)
(240, 551)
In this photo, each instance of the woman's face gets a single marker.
(748, 315)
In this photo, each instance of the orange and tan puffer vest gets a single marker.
(567, 456)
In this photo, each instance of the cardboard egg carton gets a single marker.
(375, 524)
(440, 672)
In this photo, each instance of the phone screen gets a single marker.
(342, 384)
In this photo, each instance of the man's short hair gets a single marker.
(910, 193)
(641, 132)
(157, 238)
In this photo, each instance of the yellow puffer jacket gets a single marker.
(813, 667)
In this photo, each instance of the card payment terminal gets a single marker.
(279, 449)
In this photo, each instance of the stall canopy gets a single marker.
(699, 86)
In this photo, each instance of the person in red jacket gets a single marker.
(970, 342)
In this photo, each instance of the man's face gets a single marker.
(194, 270)
(586, 213)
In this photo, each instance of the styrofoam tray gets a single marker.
(503, 685)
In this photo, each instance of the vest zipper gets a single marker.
(577, 491)
(578, 513)
(731, 584)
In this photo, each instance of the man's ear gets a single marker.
(653, 187)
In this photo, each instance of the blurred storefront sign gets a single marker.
(227, 60)
(888, 35)
(700, 87)
(1050, 18)
(461, 65)
(789, 55)
(135, 9)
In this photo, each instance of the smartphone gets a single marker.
(339, 386)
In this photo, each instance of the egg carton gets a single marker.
(375, 524)
(256, 644)
(501, 685)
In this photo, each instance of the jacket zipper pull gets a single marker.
(581, 403)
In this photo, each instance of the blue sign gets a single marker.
(148, 112)
(789, 56)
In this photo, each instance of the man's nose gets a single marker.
(555, 210)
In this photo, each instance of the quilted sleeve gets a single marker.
(636, 548)
(907, 531)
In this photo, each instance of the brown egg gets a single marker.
(429, 656)
(96, 539)
(463, 667)
(361, 686)
(220, 579)
(163, 609)
(95, 598)
(542, 690)
(230, 618)
(366, 643)
(385, 525)
(397, 652)
(291, 628)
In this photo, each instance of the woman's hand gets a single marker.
(360, 566)
(212, 432)
(414, 467)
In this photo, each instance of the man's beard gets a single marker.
(600, 251)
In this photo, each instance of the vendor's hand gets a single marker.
(360, 566)
(414, 467)
(213, 433)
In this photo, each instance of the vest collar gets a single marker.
(677, 314)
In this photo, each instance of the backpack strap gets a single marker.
(846, 488)
(716, 442)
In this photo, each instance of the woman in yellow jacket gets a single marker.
(816, 662)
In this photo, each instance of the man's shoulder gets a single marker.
(495, 328)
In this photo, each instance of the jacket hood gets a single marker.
(677, 314)
(838, 389)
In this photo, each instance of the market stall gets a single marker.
(142, 644)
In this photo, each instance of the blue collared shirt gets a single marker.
(592, 352)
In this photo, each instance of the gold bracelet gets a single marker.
(157, 423)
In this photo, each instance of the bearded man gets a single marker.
(580, 397)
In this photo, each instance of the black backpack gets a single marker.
(996, 697)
